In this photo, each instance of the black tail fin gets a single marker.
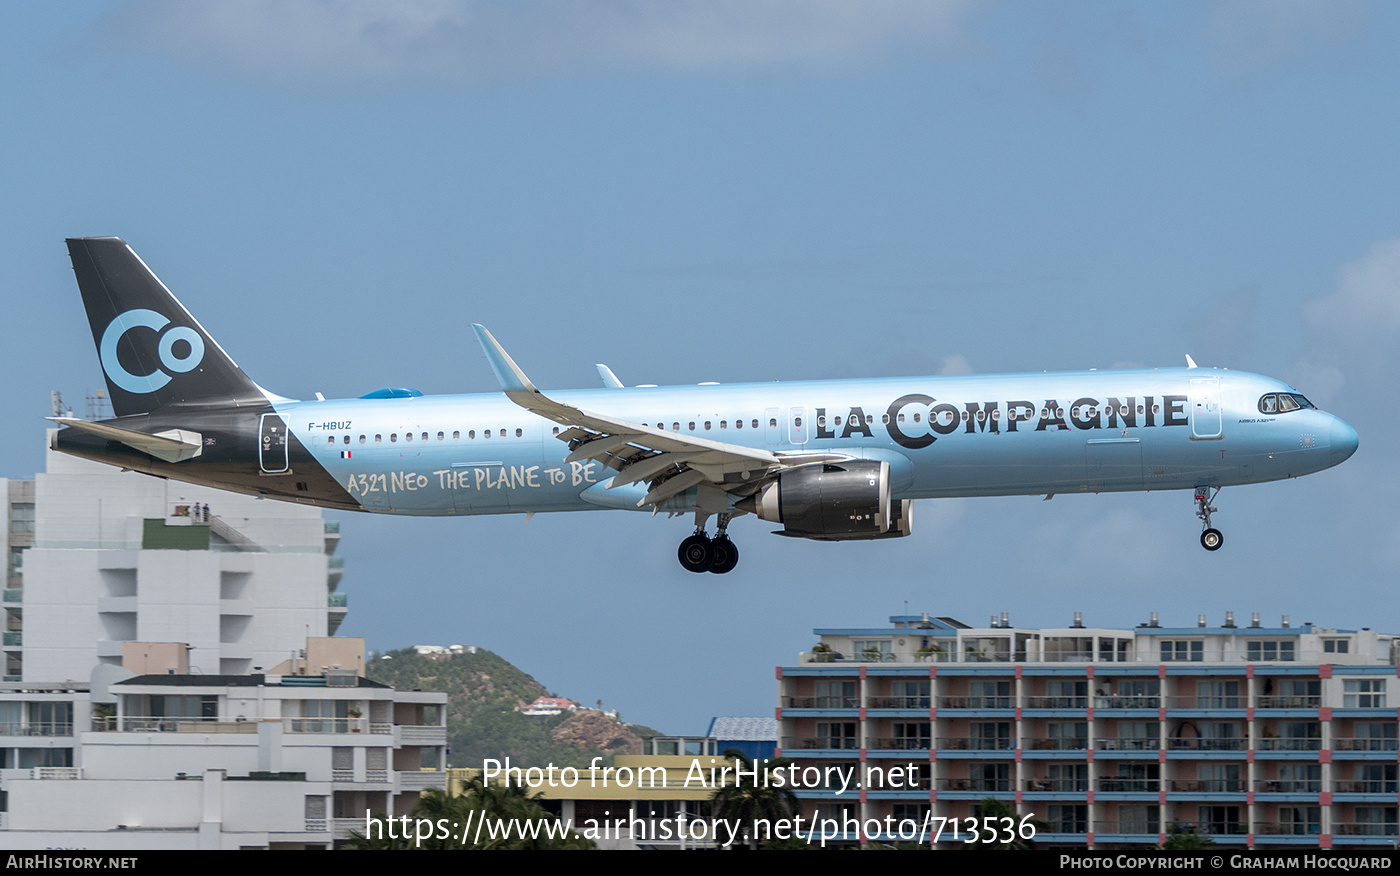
(153, 353)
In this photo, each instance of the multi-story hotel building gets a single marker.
(1254, 736)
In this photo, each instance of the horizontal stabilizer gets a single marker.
(174, 445)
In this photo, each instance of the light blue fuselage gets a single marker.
(990, 435)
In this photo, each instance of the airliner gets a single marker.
(830, 460)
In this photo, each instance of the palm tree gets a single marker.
(747, 801)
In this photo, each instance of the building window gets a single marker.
(1336, 646)
(872, 650)
(1257, 650)
(1364, 693)
(836, 734)
(22, 517)
(1183, 650)
(1069, 819)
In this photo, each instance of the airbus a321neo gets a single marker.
(828, 460)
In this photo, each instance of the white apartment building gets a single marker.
(98, 557)
(215, 762)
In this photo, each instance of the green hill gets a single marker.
(483, 692)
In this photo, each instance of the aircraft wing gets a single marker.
(669, 462)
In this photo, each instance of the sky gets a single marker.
(743, 190)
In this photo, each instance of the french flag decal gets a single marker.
(344, 454)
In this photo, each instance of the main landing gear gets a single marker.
(700, 553)
(1211, 539)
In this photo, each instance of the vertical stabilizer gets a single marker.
(153, 353)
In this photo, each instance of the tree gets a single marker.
(1186, 839)
(754, 795)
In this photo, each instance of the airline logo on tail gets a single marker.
(181, 349)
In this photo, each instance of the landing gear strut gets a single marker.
(700, 553)
(1211, 539)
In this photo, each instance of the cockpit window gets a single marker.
(1283, 402)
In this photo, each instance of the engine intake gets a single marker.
(834, 502)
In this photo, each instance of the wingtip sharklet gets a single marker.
(508, 374)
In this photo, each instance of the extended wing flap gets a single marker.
(652, 451)
(174, 445)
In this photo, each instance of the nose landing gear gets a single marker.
(1211, 538)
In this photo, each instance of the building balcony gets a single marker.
(979, 785)
(1128, 702)
(1226, 744)
(1134, 827)
(1206, 786)
(1355, 828)
(976, 703)
(1287, 828)
(814, 743)
(1044, 743)
(1288, 745)
(419, 734)
(420, 780)
(1117, 744)
(1377, 786)
(900, 743)
(1288, 786)
(1057, 702)
(36, 728)
(1059, 786)
(851, 702)
(962, 743)
(1350, 743)
(1288, 702)
(1128, 785)
(914, 702)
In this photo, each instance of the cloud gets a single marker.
(954, 364)
(475, 40)
(1366, 301)
(1260, 33)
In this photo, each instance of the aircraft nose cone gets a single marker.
(1344, 441)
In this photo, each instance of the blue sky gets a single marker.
(743, 191)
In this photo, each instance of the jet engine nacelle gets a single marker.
(834, 501)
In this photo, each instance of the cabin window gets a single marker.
(1156, 409)
(821, 421)
(378, 439)
(916, 418)
(362, 439)
(425, 436)
(485, 433)
(393, 437)
(738, 424)
(456, 436)
(722, 424)
(440, 436)
(675, 427)
(901, 418)
(471, 434)
(330, 439)
(755, 423)
(519, 432)
(692, 425)
(347, 440)
(407, 436)
(885, 419)
(556, 430)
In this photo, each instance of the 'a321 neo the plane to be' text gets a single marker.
(828, 460)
